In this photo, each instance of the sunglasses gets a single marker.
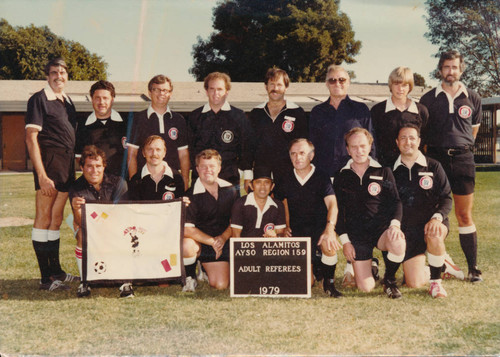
(334, 80)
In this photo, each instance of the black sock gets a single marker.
(435, 272)
(390, 268)
(42, 255)
(328, 271)
(54, 263)
(191, 270)
(468, 242)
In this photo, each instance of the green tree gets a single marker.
(302, 37)
(418, 79)
(24, 52)
(473, 28)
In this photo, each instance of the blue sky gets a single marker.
(141, 38)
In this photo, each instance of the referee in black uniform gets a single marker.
(50, 138)
(224, 128)
(425, 193)
(104, 128)
(276, 123)
(207, 229)
(454, 118)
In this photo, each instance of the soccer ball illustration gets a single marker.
(100, 267)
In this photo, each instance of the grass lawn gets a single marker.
(163, 320)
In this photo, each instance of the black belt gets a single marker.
(452, 151)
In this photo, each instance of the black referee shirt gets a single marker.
(424, 191)
(273, 137)
(109, 135)
(306, 202)
(143, 188)
(55, 120)
(387, 120)
(229, 132)
(113, 188)
(253, 222)
(171, 127)
(367, 205)
(209, 215)
(451, 119)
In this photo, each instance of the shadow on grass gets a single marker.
(28, 289)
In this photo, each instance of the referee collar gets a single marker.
(114, 117)
(462, 89)
(225, 107)
(49, 93)
(199, 188)
(250, 201)
(421, 160)
(288, 105)
(151, 111)
(389, 105)
(168, 170)
(372, 163)
(303, 181)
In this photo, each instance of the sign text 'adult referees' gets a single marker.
(270, 267)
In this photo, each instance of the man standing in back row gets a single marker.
(276, 123)
(224, 128)
(454, 119)
(158, 119)
(50, 138)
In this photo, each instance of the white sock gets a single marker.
(78, 256)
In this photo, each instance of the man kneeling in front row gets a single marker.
(370, 213)
(426, 196)
(94, 185)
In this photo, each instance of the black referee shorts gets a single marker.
(415, 241)
(459, 166)
(208, 253)
(59, 165)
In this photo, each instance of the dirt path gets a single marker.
(15, 221)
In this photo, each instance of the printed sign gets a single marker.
(270, 267)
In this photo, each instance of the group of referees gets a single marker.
(349, 177)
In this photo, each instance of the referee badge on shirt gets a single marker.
(173, 133)
(268, 227)
(288, 124)
(167, 196)
(426, 181)
(465, 111)
(374, 188)
(227, 136)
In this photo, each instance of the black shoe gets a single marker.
(126, 291)
(375, 269)
(83, 290)
(67, 278)
(475, 275)
(391, 289)
(329, 288)
(54, 285)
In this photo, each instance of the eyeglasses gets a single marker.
(334, 80)
(159, 90)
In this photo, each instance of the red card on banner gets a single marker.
(166, 265)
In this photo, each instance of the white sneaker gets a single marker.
(190, 285)
(436, 290)
(451, 269)
(348, 280)
(201, 276)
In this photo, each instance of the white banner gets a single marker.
(132, 241)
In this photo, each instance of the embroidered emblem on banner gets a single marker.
(227, 136)
(268, 227)
(134, 233)
(288, 126)
(374, 188)
(426, 182)
(167, 196)
(464, 111)
(173, 133)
